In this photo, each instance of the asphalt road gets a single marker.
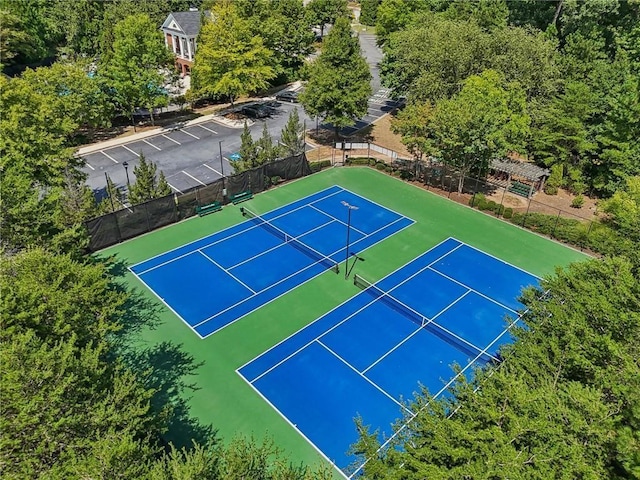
(190, 156)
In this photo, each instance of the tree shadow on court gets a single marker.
(163, 368)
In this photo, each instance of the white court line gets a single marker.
(213, 234)
(430, 321)
(471, 289)
(184, 131)
(211, 168)
(283, 293)
(336, 219)
(202, 126)
(108, 156)
(226, 271)
(280, 244)
(188, 175)
(339, 306)
(169, 138)
(149, 143)
(174, 187)
(367, 379)
(293, 425)
(88, 165)
(136, 154)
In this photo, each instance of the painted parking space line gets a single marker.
(212, 131)
(177, 190)
(127, 148)
(194, 178)
(108, 156)
(89, 165)
(191, 134)
(154, 146)
(169, 138)
(211, 168)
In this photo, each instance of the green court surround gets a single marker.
(223, 399)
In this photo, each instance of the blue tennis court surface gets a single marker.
(214, 281)
(452, 305)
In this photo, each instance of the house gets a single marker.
(180, 31)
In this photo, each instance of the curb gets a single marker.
(114, 142)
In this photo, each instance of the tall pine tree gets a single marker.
(147, 185)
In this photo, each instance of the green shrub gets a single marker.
(508, 213)
(380, 166)
(492, 206)
(357, 161)
(578, 201)
(477, 198)
(555, 180)
(317, 166)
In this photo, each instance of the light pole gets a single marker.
(346, 261)
(126, 170)
(224, 190)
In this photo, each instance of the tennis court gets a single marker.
(222, 277)
(453, 304)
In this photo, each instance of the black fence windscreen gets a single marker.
(133, 221)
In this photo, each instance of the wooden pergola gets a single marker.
(522, 177)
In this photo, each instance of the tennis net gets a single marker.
(291, 240)
(422, 321)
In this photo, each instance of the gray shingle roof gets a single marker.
(189, 21)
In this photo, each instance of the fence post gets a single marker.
(524, 219)
(555, 225)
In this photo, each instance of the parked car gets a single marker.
(256, 111)
(287, 96)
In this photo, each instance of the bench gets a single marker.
(208, 208)
(519, 188)
(241, 197)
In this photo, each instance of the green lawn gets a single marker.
(222, 398)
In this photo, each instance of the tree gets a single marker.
(369, 12)
(133, 71)
(230, 60)
(488, 14)
(287, 34)
(248, 151)
(432, 57)
(13, 39)
(623, 209)
(35, 126)
(393, 15)
(322, 12)
(147, 185)
(413, 125)
(339, 80)
(561, 136)
(292, 136)
(267, 151)
(487, 119)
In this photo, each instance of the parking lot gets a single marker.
(190, 155)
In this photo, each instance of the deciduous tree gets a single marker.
(487, 119)
(339, 84)
(133, 72)
(231, 60)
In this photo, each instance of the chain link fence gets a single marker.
(132, 221)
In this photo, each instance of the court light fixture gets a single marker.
(346, 260)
